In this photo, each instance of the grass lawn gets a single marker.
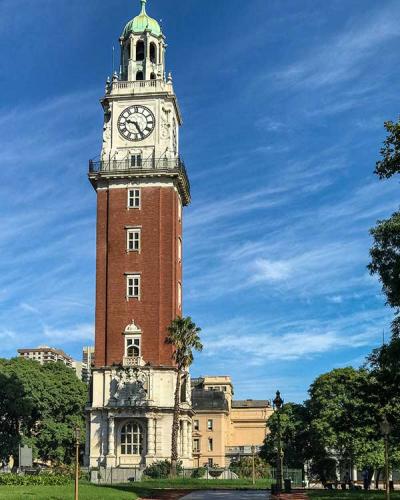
(351, 495)
(123, 491)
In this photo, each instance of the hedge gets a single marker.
(40, 480)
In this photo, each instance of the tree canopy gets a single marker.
(40, 406)
(390, 152)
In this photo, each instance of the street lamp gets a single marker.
(253, 468)
(77, 443)
(277, 404)
(385, 429)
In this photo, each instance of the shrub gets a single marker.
(198, 473)
(161, 469)
(40, 480)
(244, 468)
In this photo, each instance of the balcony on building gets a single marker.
(148, 167)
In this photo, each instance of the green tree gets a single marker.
(384, 364)
(390, 162)
(385, 251)
(344, 412)
(295, 436)
(385, 257)
(40, 406)
(183, 335)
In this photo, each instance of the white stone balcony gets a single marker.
(133, 361)
(139, 87)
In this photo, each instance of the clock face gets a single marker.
(136, 123)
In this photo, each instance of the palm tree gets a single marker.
(183, 334)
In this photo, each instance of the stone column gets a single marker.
(158, 437)
(184, 438)
(87, 442)
(111, 437)
(150, 437)
(354, 474)
(190, 441)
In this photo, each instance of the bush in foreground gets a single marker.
(161, 470)
(40, 480)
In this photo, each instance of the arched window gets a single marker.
(153, 76)
(131, 439)
(140, 51)
(153, 52)
(139, 75)
(133, 351)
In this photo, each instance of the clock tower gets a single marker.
(142, 187)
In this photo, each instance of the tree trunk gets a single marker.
(175, 426)
(377, 476)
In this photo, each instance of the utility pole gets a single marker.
(385, 429)
(77, 443)
(253, 450)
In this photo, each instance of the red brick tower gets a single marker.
(141, 185)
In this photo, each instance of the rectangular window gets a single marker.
(179, 249)
(133, 198)
(132, 346)
(210, 462)
(133, 286)
(136, 160)
(196, 425)
(179, 296)
(179, 210)
(210, 444)
(133, 240)
(196, 445)
(210, 424)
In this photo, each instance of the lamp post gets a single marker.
(77, 443)
(278, 403)
(253, 451)
(385, 429)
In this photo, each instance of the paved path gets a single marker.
(228, 495)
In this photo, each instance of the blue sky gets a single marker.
(283, 103)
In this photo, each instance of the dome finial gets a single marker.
(143, 2)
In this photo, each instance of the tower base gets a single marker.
(129, 421)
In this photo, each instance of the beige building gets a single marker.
(225, 429)
(45, 354)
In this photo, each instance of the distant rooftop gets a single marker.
(209, 400)
(251, 403)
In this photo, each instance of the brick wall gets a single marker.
(157, 263)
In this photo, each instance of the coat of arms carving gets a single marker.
(129, 387)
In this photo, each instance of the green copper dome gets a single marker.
(141, 23)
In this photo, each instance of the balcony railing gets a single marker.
(241, 450)
(142, 86)
(133, 361)
(146, 166)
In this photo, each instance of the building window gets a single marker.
(179, 249)
(210, 424)
(179, 296)
(140, 51)
(153, 76)
(196, 425)
(196, 445)
(139, 76)
(210, 444)
(133, 240)
(132, 346)
(133, 286)
(179, 210)
(210, 462)
(131, 439)
(134, 198)
(153, 53)
(136, 160)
